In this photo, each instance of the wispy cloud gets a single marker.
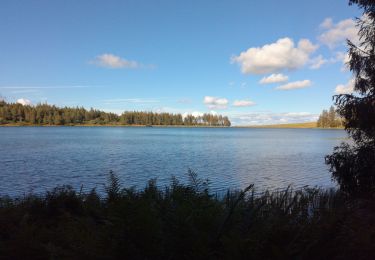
(243, 103)
(24, 91)
(344, 58)
(348, 88)
(184, 101)
(232, 83)
(274, 78)
(275, 57)
(215, 102)
(336, 34)
(131, 100)
(295, 85)
(45, 87)
(112, 61)
(317, 62)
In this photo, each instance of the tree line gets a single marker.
(329, 118)
(45, 114)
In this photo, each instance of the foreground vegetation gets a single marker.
(44, 114)
(184, 222)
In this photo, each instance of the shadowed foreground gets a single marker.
(185, 221)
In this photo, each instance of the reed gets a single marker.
(186, 221)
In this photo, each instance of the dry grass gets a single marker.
(295, 125)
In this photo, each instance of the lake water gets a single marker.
(36, 159)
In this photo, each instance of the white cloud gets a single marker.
(274, 78)
(268, 118)
(336, 34)
(197, 113)
(213, 112)
(24, 101)
(348, 88)
(317, 62)
(243, 103)
(275, 57)
(117, 111)
(114, 62)
(295, 85)
(215, 102)
(327, 23)
(344, 58)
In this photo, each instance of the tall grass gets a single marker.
(184, 222)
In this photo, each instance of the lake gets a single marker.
(36, 159)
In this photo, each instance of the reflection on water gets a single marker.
(39, 158)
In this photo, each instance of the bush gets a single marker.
(185, 221)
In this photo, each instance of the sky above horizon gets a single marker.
(258, 62)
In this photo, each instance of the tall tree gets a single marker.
(332, 116)
(353, 165)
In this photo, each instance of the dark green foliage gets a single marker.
(113, 189)
(44, 114)
(353, 166)
(186, 222)
(329, 119)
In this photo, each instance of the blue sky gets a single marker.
(179, 56)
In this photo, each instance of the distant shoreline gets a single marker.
(112, 125)
(308, 125)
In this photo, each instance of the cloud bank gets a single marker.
(267, 118)
(243, 103)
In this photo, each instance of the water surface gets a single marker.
(35, 159)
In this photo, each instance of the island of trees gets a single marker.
(45, 114)
(330, 119)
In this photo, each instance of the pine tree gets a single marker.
(353, 165)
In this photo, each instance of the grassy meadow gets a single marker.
(306, 125)
(294, 125)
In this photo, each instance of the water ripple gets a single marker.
(37, 159)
